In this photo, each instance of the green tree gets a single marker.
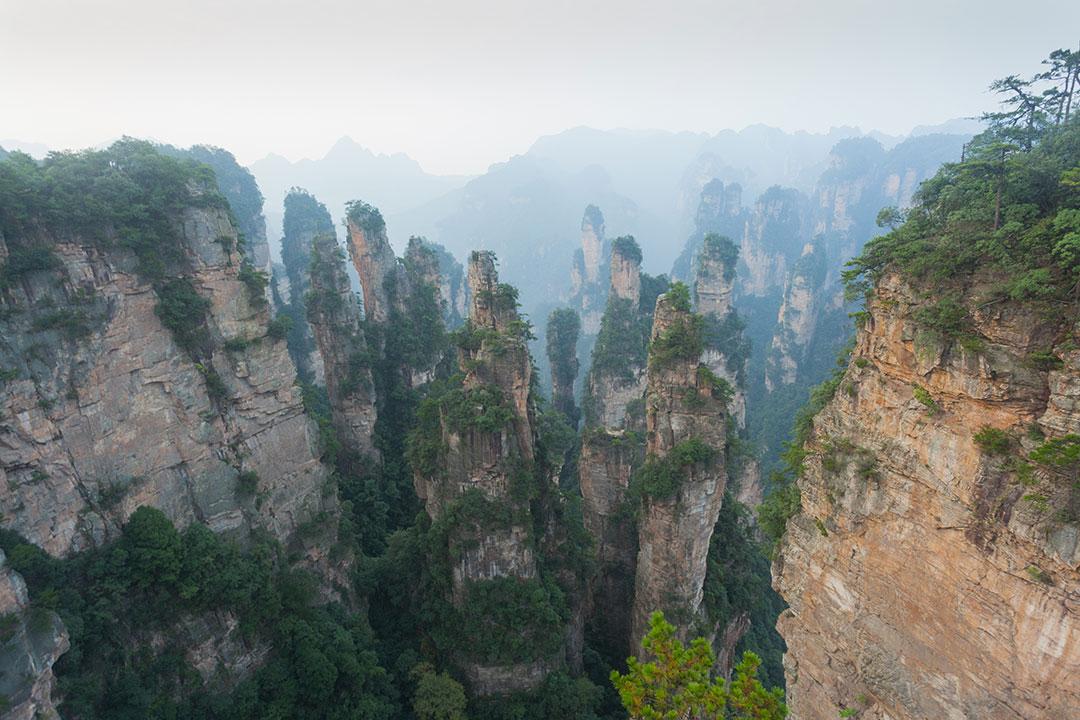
(438, 696)
(154, 548)
(678, 683)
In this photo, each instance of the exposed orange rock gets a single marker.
(925, 578)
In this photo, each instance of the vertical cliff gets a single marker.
(588, 289)
(719, 212)
(372, 257)
(305, 219)
(773, 240)
(726, 350)
(334, 315)
(807, 297)
(928, 574)
(617, 372)
(681, 484)
(483, 478)
(140, 364)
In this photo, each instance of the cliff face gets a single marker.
(686, 436)
(725, 349)
(610, 388)
(373, 259)
(805, 296)
(30, 642)
(305, 219)
(720, 212)
(477, 480)
(773, 240)
(104, 411)
(334, 315)
(934, 568)
(605, 465)
(587, 286)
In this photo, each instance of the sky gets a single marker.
(460, 85)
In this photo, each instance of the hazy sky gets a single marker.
(459, 85)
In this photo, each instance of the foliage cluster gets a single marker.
(113, 598)
(660, 478)
(677, 683)
(682, 341)
(1010, 207)
(626, 246)
(128, 196)
(365, 216)
(719, 248)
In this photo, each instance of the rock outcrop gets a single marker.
(105, 411)
(617, 373)
(773, 240)
(31, 640)
(335, 318)
(726, 352)
(588, 289)
(605, 465)
(719, 212)
(683, 479)
(933, 571)
(305, 219)
(373, 259)
(478, 473)
(805, 297)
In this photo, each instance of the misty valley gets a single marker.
(639, 425)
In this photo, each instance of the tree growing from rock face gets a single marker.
(677, 684)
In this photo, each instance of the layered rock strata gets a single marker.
(482, 477)
(934, 569)
(682, 405)
(335, 318)
(104, 411)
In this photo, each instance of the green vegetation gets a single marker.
(279, 327)
(255, 281)
(305, 218)
(681, 341)
(678, 683)
(563, 331)
(1039, 575)
(923, 396)
(627, 247)
(660, 478)
(785, 500)
(183, 311)
(23, 261)
(738, 580)
(1011, 208)
(720, 388)
(721, 248)
(367, 217)
(622, 341)
(993, 441)
(111, 598)
(438, 696)
(247, 482)
(127, 196)
(508, 620)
